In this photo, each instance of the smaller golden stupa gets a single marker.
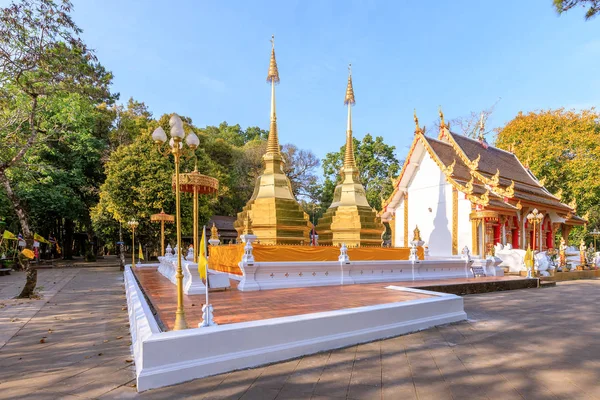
(349, 219)
(272, 213)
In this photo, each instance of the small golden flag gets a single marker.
(141, 254)
(202, 260)
(9, 236)
(28, 253)
(40, 238)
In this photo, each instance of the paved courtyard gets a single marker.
(73, 343)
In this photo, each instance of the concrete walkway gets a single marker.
(526, 344)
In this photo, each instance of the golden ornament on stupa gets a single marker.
(350, 219)
(272, 213)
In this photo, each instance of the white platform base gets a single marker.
(192, 283)
(167, 358)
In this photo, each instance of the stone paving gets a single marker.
(524, 344)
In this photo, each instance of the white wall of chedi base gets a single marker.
(167, 358)
(430, 208)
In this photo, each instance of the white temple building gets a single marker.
(463, 192)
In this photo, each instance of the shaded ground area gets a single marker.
(237, 306)
(525, 344)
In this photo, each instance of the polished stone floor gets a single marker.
(236, 306)
(521, 344)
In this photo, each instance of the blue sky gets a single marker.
(209, 60)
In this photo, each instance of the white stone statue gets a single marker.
(343, 257)
(169, 251)
(190, 254)
(542, 263)
(413, 251)
(508, 246)
(465, 254)
(248, 258)
(498, 247)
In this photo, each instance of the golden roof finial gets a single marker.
(273, 78)
(417, 127)
(349, 161)
(442, 123)
(273, 75)
(349, 99)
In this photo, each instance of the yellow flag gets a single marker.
(28, 253)
(9, 236)
(39, 238)
(202, 260)
(141, 255)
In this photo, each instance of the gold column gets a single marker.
(393, 229)
(405, 219)
(196, 224)
(162, 238)
(454, 221)
(474, 237)
(133, 249)
(163, 219)
(180, 313)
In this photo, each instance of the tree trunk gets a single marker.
(30, 271)
(68, 244)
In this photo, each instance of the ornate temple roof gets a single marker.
(488, 176)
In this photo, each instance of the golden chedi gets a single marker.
(272, 213)
(350, 220)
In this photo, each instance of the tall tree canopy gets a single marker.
(42, 62)
(593, 6)
(561, 148)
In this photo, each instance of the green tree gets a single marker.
(561, 148)
(377, 165)
(593, 6)
(41, 57)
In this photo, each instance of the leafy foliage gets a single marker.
(593, 6)
(561, 147)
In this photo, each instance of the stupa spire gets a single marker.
(349, 161)
(273, 78)
(350, 220)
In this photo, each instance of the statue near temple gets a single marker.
(417, 234)
(272, 215)
(350, 219)
(562, 253)
(582, 250)
(214, 236)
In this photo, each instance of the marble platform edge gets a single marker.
(167, 358)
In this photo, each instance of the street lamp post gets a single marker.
(133, 224)
(175, 146)
(534, 218)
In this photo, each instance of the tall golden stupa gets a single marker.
(272, 213)
(350, 219)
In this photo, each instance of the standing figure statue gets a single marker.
(562, 254)
(582, 249)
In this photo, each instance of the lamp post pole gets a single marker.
(535, 218)
(176, 144)
(133, 224)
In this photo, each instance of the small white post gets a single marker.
(343, 259)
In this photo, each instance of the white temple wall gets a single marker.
(399, 233)
(430, 207)
(465, 229)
